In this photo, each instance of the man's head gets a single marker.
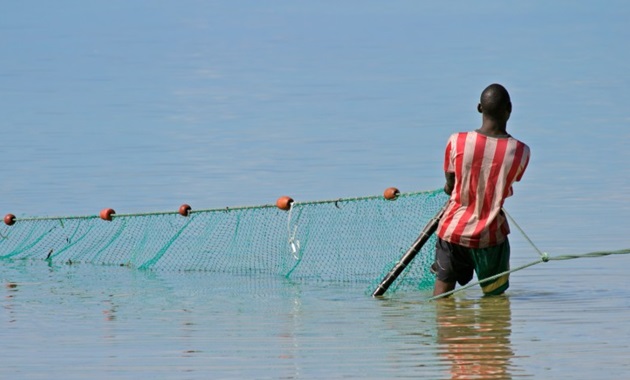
(495, 103)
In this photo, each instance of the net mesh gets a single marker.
(353, 239)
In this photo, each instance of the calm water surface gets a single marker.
(142, 106)
(77, 321)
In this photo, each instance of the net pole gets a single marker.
(411, 253)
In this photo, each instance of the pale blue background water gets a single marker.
(144, 105)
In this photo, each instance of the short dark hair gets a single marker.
(495, 100)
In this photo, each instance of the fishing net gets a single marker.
(353, 239)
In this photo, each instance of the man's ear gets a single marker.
(480, 109)
(509, 107)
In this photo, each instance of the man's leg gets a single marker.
(441, 287)
(452, 265)
(490, 262)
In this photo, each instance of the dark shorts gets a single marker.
(455, 263)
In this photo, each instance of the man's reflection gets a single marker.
(474, 337)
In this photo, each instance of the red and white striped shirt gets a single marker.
(485, 168)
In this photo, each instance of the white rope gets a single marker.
(294, 244)
(543, 255)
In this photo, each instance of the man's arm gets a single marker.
(450, 183)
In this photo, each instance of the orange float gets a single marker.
(284, 203)
(184, 210)
(106, 214)
(391, 193)
(9, 219)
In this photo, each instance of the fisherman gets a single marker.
(480, 167)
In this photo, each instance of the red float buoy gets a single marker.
(284, 203)
(184, 210)
(106, 214)
(9, 219)
(391, 193)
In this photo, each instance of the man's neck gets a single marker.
(493, 128)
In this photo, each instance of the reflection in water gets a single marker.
(110, 308)
(291, 315)
(474, 337)
(9, 301)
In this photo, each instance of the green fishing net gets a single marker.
(343, 240)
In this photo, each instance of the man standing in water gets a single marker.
(480, 168)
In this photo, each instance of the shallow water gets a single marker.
(142, 106)
(113, 322)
